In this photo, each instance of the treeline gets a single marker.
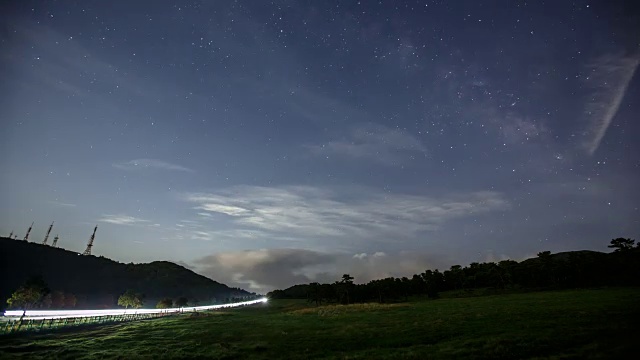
(131, 299)
(546, 271)
(35, 294)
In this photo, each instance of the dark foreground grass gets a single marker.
(577, 324)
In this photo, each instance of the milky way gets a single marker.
(264, 144)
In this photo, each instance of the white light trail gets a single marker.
(62, 314)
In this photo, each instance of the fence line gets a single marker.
(38, 320)
(13, 325)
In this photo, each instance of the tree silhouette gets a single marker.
(57, 300)
(344, 287)
(45, 303)
(70, 300)
(29, 295)
(380, 289)
(165, 303)
(433, 281)
(314, 293)
(455, 276)
(347, 279)
(181, 301)
(328, 292)
(621, 244)
(130, 299)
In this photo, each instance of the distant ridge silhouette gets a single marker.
(97, 282)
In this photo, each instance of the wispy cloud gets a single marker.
(201, 235)
(63, 204)
(316, 212)
(223, 209)
(204, 230)
(120, 219)
(609, 77)
(375, 143)
(139, 164)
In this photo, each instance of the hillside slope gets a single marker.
(98, 281)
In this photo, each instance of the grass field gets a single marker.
(576, 324)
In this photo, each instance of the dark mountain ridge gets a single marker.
(98, 282)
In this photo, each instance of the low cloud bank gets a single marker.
(268, 269)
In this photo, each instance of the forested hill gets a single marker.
(98, 281)
(573, 269)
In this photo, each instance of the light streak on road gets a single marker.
(62, 314)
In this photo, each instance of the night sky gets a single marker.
(268, 144)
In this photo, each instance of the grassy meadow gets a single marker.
(571, 324)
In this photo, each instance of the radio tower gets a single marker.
(46, 237)
(55, 241)
(26, 237)
(90, 244)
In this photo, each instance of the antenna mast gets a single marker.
(46, 237)
(55, 241)
(26, 237)
(90, 244)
